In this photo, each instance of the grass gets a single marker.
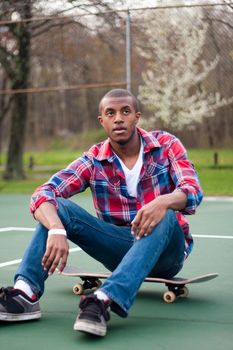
(59, 158)
(204, 158)
(215, 180)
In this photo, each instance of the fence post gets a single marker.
(128, 51)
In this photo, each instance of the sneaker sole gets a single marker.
(19, 317)
(91, 328)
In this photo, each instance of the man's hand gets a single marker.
(57, 248)
(148, 217)
(56, 253)
(152, 213)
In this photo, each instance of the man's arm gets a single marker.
(57, 248)
(65, 183)
(186, 196)
(46, 214)
(152, 213)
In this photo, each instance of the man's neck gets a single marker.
(129, 152)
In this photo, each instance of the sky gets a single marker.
(52, 5)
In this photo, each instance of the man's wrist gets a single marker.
(57, 231)
(175, 200)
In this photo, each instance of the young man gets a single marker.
(142, 185)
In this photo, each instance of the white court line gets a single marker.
(72, 250)
(6, 229)
(218, 199)
(213, 236)
(18, 261)
(9, 263)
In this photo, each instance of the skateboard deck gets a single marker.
(176, 286)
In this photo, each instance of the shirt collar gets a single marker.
(148, 139)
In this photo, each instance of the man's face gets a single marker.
(119, 118)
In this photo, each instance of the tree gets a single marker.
(14, 57)
(219, 42)
(15, 49)
(174, 83)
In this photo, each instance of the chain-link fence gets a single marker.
(178, 60)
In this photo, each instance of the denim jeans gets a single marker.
(160, 254)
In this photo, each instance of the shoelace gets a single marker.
(95, 305)
(4, 292)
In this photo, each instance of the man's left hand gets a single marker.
(148, 217)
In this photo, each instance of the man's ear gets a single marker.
(100, 119)
(138, 116)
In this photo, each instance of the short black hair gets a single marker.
(121, 93)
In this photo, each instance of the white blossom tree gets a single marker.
(174, 84)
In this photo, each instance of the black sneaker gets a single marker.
(15, 305)
(93, 316)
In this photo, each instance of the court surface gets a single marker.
(202, 321)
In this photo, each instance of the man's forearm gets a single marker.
(47, 215)
(153, 212)
(176, 200)
(57, 248)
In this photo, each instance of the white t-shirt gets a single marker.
(132, 175)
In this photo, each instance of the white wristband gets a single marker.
(57, 231)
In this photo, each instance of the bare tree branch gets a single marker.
(49, 27)
(213, 19)
(4, 59)
(229, 4)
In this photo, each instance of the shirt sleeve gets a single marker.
(184, 176)
(65, 183)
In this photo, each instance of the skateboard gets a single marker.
(176, 286)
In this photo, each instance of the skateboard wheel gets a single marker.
(78, 289)
(169, 297)
(184, 292)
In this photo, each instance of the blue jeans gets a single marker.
(160, 254)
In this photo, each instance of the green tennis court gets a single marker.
(202, 321)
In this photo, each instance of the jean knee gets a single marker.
(170, 214)
(65, 211)
(171, 218)
(68, 206)
(62, 202)
(71, 213)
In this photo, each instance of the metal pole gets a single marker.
(128, 51)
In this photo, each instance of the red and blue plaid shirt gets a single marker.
(165, 169)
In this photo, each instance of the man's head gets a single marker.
(116, 93)
(119, 115)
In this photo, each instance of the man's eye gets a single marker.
(126, 111)
(109, 113)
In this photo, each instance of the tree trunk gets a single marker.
(14, 164)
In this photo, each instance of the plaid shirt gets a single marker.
(165, 169)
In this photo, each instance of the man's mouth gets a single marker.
(119, 130)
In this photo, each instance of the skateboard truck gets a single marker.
(174, 292)
(89, 284)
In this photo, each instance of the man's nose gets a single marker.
(118, 117)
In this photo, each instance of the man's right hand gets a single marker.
(57, 248)
(56, 254)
